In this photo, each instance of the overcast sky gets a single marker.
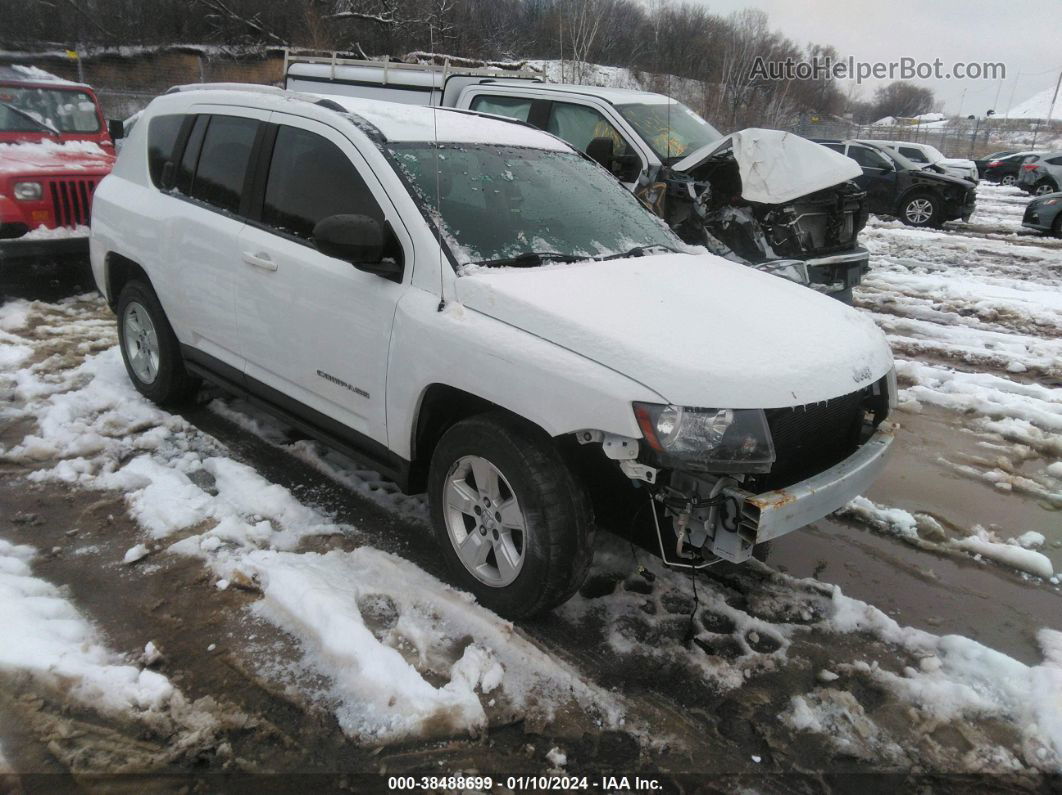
(1026, 35)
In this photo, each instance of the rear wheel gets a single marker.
(149, 347)
(1009, 179)
(1044, 187)
(920, 209)
(513, 523)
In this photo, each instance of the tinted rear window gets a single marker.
(162, 138)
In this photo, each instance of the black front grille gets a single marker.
(72, 201)
(808, 439)
(1030, 216)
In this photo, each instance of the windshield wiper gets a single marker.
(530, 259)
(43, 125)
(640, 251)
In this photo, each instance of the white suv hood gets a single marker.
(696, 329)
(776, 166)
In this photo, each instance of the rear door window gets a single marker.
(310, 178)
(514, 107)
(222, 167)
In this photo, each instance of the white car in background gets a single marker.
(927, 155)
(486, 315)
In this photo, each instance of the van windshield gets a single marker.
(518, 206)
(670, 128)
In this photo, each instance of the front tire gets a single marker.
(920, 209)
(150, 349)
(512, 521)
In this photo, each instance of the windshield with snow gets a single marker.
(671, 129)
(516, 206)
(25, 109)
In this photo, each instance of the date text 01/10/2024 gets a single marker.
(525, 783)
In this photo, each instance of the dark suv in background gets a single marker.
(897, 187)
(1004, 169)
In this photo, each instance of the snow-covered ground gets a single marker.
(975, 317)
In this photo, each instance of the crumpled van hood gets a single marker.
(777, 166)
(696, 329)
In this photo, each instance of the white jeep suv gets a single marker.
(483, 313)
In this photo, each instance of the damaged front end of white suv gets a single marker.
(724, 481)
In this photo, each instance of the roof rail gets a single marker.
(259, 88)
(333, 59)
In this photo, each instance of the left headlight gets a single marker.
(28, 191)
(731, 440)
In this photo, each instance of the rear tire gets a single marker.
(150, 349)
(1009, 179)
(1043, 187)
(920, 209)
(514, 524)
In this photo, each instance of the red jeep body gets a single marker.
(54, 150)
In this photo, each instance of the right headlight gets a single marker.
(28, 191)
(726, 440)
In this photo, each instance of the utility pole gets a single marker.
(1054, 97)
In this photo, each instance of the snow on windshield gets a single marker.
(494, 203)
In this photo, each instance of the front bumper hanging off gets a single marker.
(756, 518)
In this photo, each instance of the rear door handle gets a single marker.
(259, 260)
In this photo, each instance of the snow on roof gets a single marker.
(395, 121)
(23, 73)
(401, 122)
(1038, 106)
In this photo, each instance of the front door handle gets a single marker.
(259, 260)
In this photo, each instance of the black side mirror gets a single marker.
(359, 240)
(602, 150)
(116, 129)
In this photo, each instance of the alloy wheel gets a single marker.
(484, 521)
(141, 342)
(1044, 189)
(918, 211)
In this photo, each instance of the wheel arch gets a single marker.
(119, 271)
(440, 407)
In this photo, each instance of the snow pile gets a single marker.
(959, 677)
(1038, 106)
(45, 635)
(985, 544)
(406, 655)
(59, 233)
(893, 520)
(378, 625)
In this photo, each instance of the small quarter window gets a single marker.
(162, 138)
